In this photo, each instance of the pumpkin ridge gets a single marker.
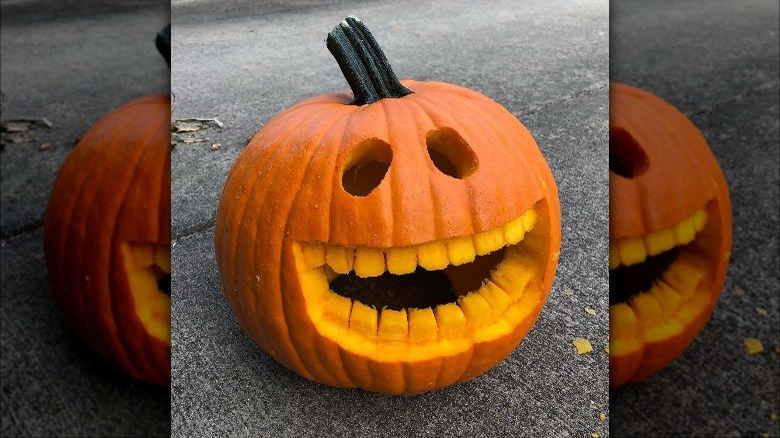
(249, 181)
(397, 178)
(503, 203)
(95, 303)
(59, 216)
(436, 116)
(250, 214)
(311, 149)
(474, 216)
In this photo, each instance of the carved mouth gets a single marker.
(485, 285)
(148, 268)
(659, 283)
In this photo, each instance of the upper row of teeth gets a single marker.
(628, 251)
(435, 255)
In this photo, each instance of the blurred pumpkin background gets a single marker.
(66, 65)
(717, 62)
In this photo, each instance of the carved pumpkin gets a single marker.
(396, 182)
(669, 231)
(107, 236)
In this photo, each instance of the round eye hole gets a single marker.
(366, 166)
(626, 157)
(450, 153)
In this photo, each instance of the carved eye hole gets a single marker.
(626, 157)
(450, 153)
(366, 166)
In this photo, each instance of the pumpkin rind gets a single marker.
(113, 191)
(681, 184)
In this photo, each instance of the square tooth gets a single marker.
(700, 219)
(512, 277)
(489, 241)
(450, 319)
(314, 284)
(393, 325)
(660, 241)
(433, 255)
(422, 325)
(685, 231)
(646, 307)
(667, 297)
(142, 282)
(162, 258)
(632, 250)
(340, 258)
(475, 309)
(683, 276)
(142, 254)
(460, 250)
(330, 274)
(313, 254)
(621, 317)
(363, 320)
(614, 256)
(495, 297)
(514, 231)
(402, 260)
(369, 262)
(337, 310)
(529, 219)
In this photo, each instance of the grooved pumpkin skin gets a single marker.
(114, 187)
(286, 187)
(683, 176)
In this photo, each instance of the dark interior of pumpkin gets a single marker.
(627, 281)
(163, 280)
(419, 289)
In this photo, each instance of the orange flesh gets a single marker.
(146, 264)
(502, 301)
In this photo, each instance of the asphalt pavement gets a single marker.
(242, 63)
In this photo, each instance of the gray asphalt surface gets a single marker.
(71, 63)
(545, 61)
(718, 63)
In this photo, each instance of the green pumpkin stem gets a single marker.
(163, 43)
(363, 63)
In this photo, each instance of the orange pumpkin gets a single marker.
(107, 238)
(397, 180)
(669, 233)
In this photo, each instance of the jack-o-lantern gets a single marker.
(107, 237)
(669, 233)
(398, 181)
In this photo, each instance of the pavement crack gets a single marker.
(592, 89)
(191, 231)
(20, 231)
(761, 89)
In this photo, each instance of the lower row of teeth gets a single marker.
(665, 299)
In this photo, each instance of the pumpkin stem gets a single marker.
(363, 63)
(163, 43)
